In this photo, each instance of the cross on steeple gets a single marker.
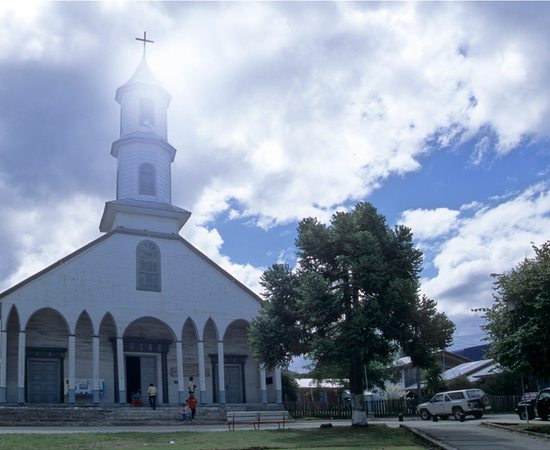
(145, 40)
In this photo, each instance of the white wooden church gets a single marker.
(139, 304)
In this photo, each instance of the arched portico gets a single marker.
(9, 356)
(149, 347)
(104, 360)
(240, 370)
(191, 363)
(48, 352)
(97, 359)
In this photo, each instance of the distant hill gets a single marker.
(474, 353)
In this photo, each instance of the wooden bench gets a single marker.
(257, 418)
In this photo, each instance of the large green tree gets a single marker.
(517, 322)
(351, 301)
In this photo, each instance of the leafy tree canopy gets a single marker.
(352, 300)
(517, 322)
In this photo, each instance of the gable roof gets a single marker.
(95, 242)
(406, 361)
(56, 264)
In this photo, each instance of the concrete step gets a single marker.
(64, 415)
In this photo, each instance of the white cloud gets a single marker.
(286, 110)
(328, 108)
(42, 235)
(429, 224)
(480, 151)
(494, 240)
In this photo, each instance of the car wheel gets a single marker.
(524, 415)
(543, 416)
(425, 414)
(457, 411)
(478, 414)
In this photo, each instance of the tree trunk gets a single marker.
(418, 386)
(358, 412)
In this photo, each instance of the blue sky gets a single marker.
(437, 113)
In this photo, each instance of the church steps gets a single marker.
(62, 415)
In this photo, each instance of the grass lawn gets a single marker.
(372, 437)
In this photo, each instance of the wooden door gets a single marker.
(43, 382)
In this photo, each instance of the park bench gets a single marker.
(257, 418)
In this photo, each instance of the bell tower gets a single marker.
(144, 158)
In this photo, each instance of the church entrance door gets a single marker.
(148, 372)
(43, 381)
(140, 371)
(233, 382)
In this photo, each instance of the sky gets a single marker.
(437, 113)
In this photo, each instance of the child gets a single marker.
(192, 403)
(136, 399)
(184, 411)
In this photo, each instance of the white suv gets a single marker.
(455, 403)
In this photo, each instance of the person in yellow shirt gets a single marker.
(191, 386)
(152, 391)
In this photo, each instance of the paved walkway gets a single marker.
(471, 435)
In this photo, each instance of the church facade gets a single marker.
(139, 304)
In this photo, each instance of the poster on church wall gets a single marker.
(85, 386)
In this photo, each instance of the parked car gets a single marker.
(531, 405)
(455, 403)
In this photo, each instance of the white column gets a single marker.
(72, 359)
(278, 385)
(21, 368)
(3, 365)
(202, 372)
(221, 374)
(120, 370)
(263, 387)
(95, 368)
(179, 363)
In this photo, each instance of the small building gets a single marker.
(319, 392)
(407, 373)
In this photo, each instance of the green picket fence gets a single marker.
(300, 410)
(381, 408)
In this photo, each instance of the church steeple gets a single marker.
(143, 195)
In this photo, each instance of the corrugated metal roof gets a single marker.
(305, 383)
(468, 368)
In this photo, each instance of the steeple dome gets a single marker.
(144, 103)
(143, 195)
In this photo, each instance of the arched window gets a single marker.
(148, 266)
(147, 179)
